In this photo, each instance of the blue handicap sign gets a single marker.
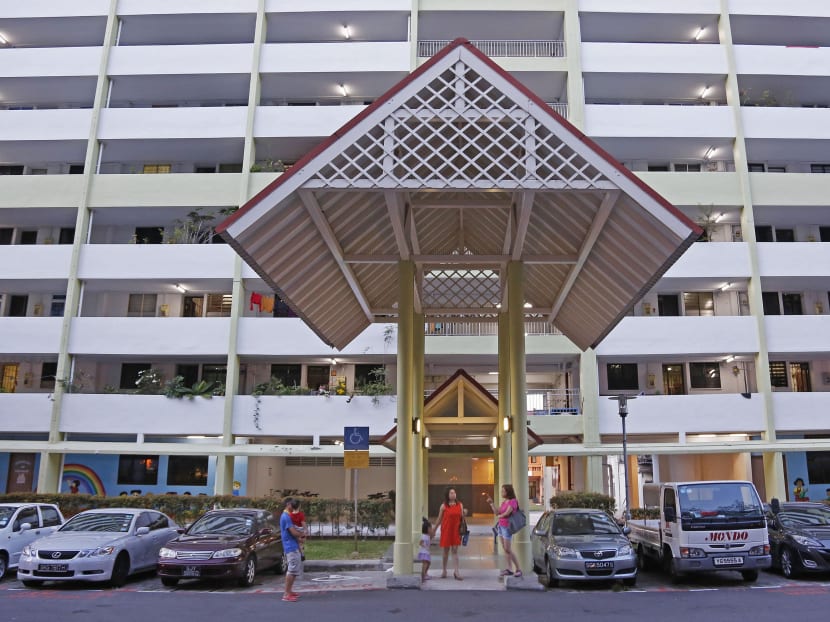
(356, 439)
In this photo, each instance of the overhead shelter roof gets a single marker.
(460, 169)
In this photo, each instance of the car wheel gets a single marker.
(550, 575)
(4, 565)
(30, 583)
(169, 581)
(630, 582)
(750, 576)
(120, 570)
(282, 564)
(788, 563)
(248, 572)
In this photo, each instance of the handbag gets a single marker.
(516, 521)
(464, 532)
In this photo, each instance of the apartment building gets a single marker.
(129, 128)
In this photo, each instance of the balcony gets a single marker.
(42, 261)
(797, 335)
(306, 416)
(172, 123)
(169, 262)
(680, 337)
(613, 121)
(150, 337)
(141, 414)
(515, 48)
(685, 414)
(231, 58)
(45, 125)
(25, 412)
(30, 335)
(801, 412)
(779, 60)
(727, 261)
(794, 260)
(653, 58)
(275, 336)
(190, 7)
(49, 62)
(777, 189)
(786, 123)
(302, 121)
(694, 188)
(349, 57)
(173, 190)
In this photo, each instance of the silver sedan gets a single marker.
(98, 545)
(582, 545)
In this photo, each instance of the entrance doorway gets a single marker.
(674, 382)
(800, 373)
(9, 377)
(472, 477)
(21, 473)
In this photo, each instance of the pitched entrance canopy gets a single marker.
(460, 169)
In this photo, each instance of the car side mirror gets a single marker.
(670, 515)
(180, 530)
(626, 530)
(25, 526)
(142, 531)
(539, 532)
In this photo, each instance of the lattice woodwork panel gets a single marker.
(459, 131)
(461, 289)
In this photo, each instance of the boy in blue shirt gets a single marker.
(291, 537)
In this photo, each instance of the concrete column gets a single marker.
(403, 459)
(503, 464)
(518, 402)
(589, 398)
(417, 383)
(573, 56)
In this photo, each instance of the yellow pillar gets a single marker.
(403, 458)
(518, 402)
(503, 454)
(417, 383)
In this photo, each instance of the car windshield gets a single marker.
(99, 521)
(584, 524)
(799, 518)
(722, 499)
(222, 524)
(6, 515)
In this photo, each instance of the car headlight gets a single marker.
(761, 549)
(691, 552)
(807, 541)
(101, 550)
(564, 552)
(625, 550)
(166, 553)
(29, 551)
(225, 553)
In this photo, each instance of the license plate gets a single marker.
(53, 567)
(191, 571)
(728, 561)
(598, 565)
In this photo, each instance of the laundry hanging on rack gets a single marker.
(256, 299)
(267, 304)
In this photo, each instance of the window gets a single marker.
(206, 169)
(76, 169)
(129, 374)
(193, 306)
(149, 235)
(704, 375)
(687, 168)
(784, 235)
(289, 375)
(18, 305)
(778, 374)
(757, 167)
(13, 169)
(58, 305)
(154, 169)
(142, 305)
(818, 466)
(50, 516)
(187, 471)
(214, 373)
(6, 234)
(318, 376)
(823, 232)
(26, 515)
(363, 374)
(658, 168)
(820, 168)
(763, 233)
(776, 169)
(28, 237)
(189, 374)
(48, 371)
(699, 303)
(772, 306)
(138, 470)
(230, 168)
(219, 305)
(668, 305)
(791, 304)
(67, 235)
(622, 376)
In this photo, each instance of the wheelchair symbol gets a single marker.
(355, 438)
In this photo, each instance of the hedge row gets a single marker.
(329, 516)
(588, 500)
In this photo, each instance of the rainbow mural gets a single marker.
(88, 481)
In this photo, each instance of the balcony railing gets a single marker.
(502, 48)
(484, 329)
(561, 109)
(553, 402)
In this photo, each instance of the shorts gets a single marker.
(295, 563)
(504, 532)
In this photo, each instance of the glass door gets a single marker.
(673, 379)
(9, 379)
(800, 375)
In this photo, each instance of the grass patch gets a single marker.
(331, 548)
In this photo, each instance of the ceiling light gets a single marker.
(709, 153)
(528, 305)
(725, 286)
(729, 359)
(3, 40)
(180, 288)
(699, 34)
(492, 373)
(343, 90)
(334, 361)
(704, 91)
(347, 31)
(719, 217)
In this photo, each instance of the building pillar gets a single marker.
(503, 470)
(418, 451)
(403, 553)
(573, 57)
(518, 403)
(589, 399)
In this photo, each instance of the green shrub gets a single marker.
(590, 500)
(645, 513)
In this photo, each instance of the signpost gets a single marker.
(355, 456)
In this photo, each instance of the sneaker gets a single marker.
(290, 598)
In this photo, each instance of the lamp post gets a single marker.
(623, 412)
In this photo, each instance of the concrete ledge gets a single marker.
(344, 565)
(529, 583)
(404, 582)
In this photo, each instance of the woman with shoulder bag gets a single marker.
(508, 506)
(450, 517)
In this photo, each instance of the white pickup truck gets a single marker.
(22, 524)
(703, 526)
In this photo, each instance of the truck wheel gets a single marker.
(788, 563)
(670, 566)
(643, 562)
(750, 576)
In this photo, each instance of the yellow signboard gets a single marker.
(356, 459)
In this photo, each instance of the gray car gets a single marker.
(582, 545)
(98, 545)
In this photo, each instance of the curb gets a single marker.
(345, 565)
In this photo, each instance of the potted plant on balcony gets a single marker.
(377, 385)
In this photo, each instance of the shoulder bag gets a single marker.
(517, 520)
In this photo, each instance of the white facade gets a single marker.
(117, 119)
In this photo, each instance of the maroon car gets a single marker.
(224, 544)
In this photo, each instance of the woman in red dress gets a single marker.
(449, 522)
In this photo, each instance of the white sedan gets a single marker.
(98, 545)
